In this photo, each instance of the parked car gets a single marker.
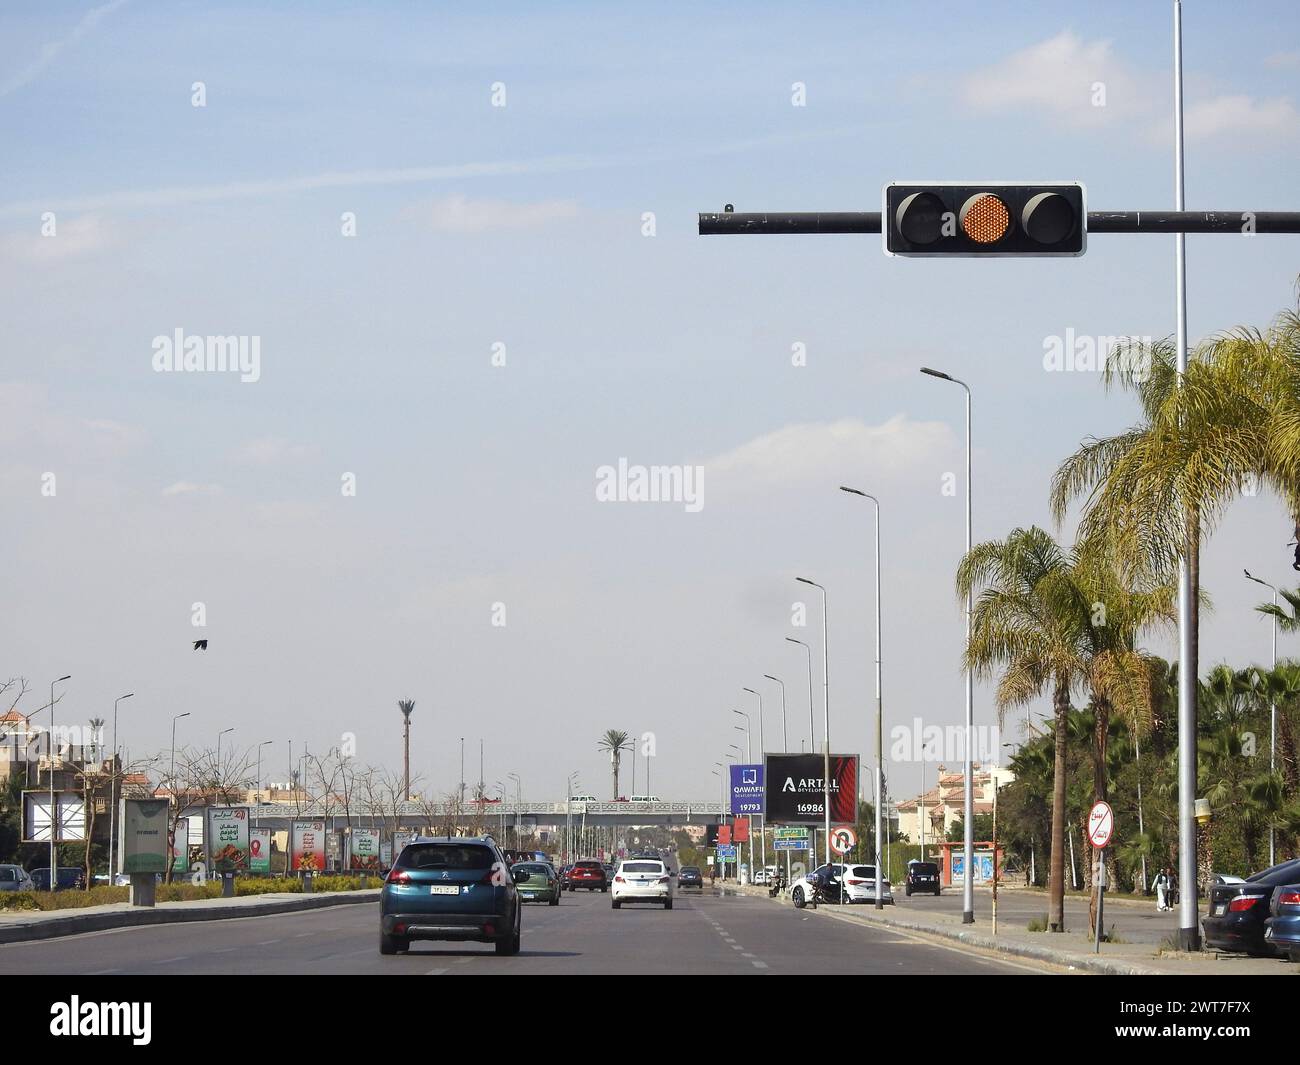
(588, 874)
(922, 876)
(69, 879)
(1237, 912)
(690, 876)
(542, 883)
(801, 891)
(642, 880)
(454, 889)
(15, 878)
(1282, 929)
(859, 884)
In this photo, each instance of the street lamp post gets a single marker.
(880, 740)
(762, 749)
(812, 737)
(112, 788)
(826, 715)
(220, 775)
(54, 814)
(1272, 710)
(258, 800)
(785, 739)
(519, 785)
(968, 811)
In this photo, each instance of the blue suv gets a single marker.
(453, 889)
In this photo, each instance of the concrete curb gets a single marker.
(982, 941)
(71, 924)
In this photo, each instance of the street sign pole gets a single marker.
(1101, 826)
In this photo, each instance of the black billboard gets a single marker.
(794, 790)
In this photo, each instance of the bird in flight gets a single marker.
(200, 645)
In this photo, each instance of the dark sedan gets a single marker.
(1237, 912)
(690, 876)
(1282, 929)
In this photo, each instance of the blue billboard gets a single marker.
(746, 789)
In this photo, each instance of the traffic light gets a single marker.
(984, 219)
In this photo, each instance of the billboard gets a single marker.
(307, 847)
(793, 792)
(70, 812)
(227, 842)
(145, 841)
(178, 840)
(259, 851)
(746, 789)
(363, 851)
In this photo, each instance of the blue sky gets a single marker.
(522, 225)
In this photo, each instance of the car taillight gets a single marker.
(1243, 902)
(664, 879)
(397, 876)
(1289, 898)
(855, 883)
(619, 880)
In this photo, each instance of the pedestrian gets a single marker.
(1161, 886)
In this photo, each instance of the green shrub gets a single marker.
(1037, 924)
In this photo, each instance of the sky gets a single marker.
(463, 242)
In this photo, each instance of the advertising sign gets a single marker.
(740, 830)
(227, 842)
(724, 834)
(793, 788)
(179, 843)
(307, 847)
(259, 851)
(70, 817)
(386, 855)
(400, 840)
(363, 851)
(746, 789)
(144, 840)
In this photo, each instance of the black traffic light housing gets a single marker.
(984, 218)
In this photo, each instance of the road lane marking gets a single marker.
(266, 943)
(759, 964)
(435, 972)
(103, 972)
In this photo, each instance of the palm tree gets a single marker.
(1026, 623)
(1286, 622)
(406, 706)
(615, 742)
(1231, 423)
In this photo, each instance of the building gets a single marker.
(941, 806)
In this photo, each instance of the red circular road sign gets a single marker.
(1101, 823)
(843, 840)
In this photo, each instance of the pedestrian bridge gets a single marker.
(486, 815)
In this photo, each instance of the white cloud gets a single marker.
(269, 450)
(72, 238)
(848, 449)
(1228, 116)
(50, 51)
(190, 488)
(1058, 76)
(1283, 59)
(458, 214)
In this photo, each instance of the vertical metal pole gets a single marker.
(1189, 936)
(995, 856)
(826, 725)
(1272, 731)
(880, 749)
(54, 819)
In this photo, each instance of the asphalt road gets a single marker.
(703, 933)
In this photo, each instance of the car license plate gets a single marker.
(1219, 910)
(444, 889)
(530, 894)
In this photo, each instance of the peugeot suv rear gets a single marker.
(589, 875)
(453, 889)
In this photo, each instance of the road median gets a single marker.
(28, 925)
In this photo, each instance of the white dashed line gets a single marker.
(435, 972)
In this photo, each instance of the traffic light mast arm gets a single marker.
(728, 222)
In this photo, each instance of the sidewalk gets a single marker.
(1071, 950)
(49, 924)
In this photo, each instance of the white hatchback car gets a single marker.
(642, 880)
